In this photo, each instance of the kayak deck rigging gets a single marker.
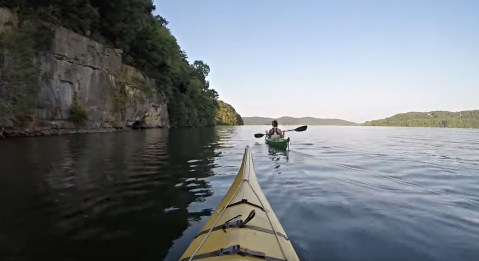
(226, 236)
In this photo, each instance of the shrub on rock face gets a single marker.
(77, 114)
(19, 74)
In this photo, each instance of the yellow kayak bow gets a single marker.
(243, 226)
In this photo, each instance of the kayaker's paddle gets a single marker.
(302, 128)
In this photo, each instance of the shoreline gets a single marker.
(17, 133)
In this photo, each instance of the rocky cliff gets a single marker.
(81, 76)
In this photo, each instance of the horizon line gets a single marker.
(454, 111)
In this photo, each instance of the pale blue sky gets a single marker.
(353, 60)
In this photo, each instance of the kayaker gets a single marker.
(275, 132)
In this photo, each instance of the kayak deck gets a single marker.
(243, 226)
(281, 143)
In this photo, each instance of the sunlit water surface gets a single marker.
(341, 193)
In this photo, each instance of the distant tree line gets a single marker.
(441, 119)
(146, 42)
(286, 120)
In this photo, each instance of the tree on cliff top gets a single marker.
(146, 43)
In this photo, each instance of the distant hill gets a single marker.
(227, 115)
(442, 119)
(296, 121)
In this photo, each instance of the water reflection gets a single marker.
(101, 195)
(276, 155)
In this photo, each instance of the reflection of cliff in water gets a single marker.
(192, 152)
(121, 195)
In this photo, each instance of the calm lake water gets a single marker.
(341, 193)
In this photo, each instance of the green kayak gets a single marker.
(279, 143)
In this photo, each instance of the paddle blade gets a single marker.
(302, 128)
(259, 135)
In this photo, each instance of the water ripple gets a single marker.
(341, 193)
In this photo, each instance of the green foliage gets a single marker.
(147, 44)
(40, 32)
(121, 98)
(142, 85)
(440, 119)
(19, 76)
(77, 114)
(46, 76)
(227, 115)
(188, 110)
(78, 15)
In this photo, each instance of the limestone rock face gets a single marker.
(8, 19)
(81, 71)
